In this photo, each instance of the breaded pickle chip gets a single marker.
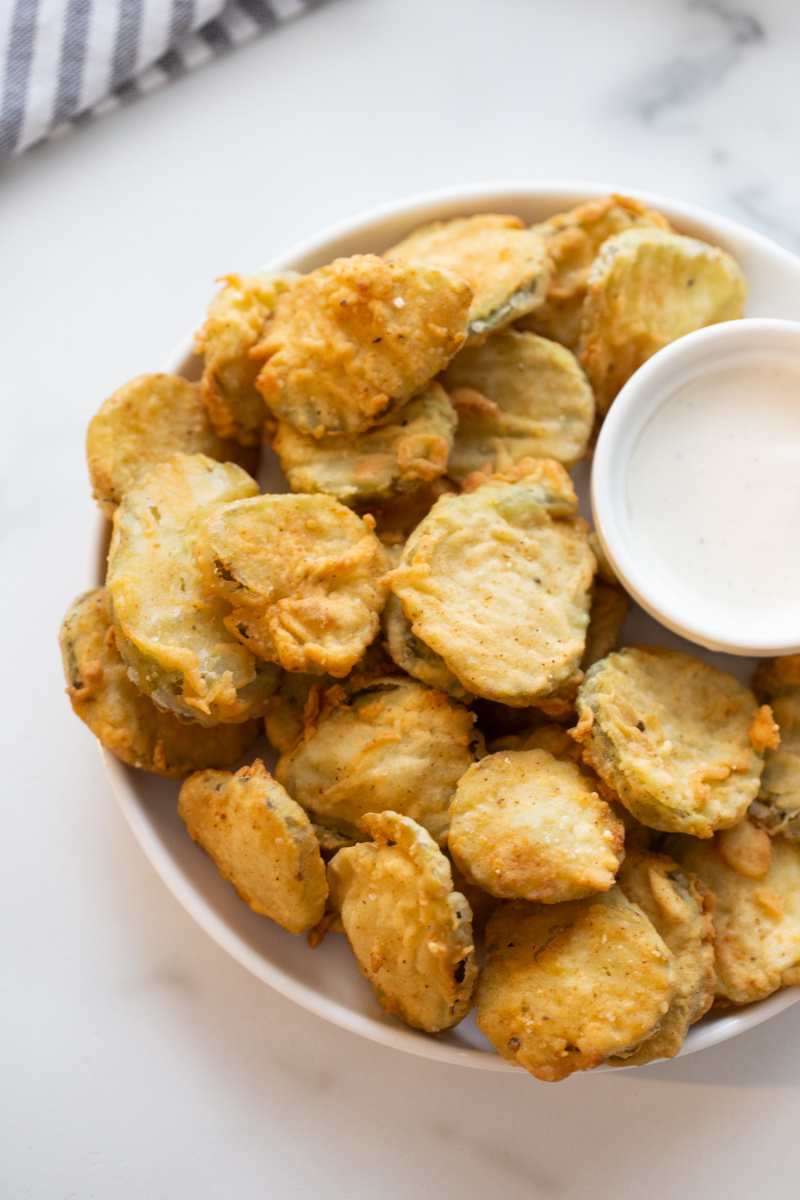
(609, 609)
(394, 744)
(573, 241)
(757, 912)
(410, 931)
(672, 737)
(352, 342)
(172, 635)
(497, 582)
(505, 264)
(566, 986)
(234, 324)
(372, 467)
(145, 423)
(304, 574)
(412, 655)
(261, 841)
(778, 804)
(646, 288)
(526, 826)
(517, 396)
(680, 907)
(122, 718)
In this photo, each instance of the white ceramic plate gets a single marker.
(326, 980)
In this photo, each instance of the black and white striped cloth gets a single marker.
(63, 61)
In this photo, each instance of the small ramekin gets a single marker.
(683, 361)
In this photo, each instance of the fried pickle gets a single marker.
(262, 842)
(144, 423)
(497, 582)
(672, 737)
(411, 654)
(526, 826)
(123, 719)
(757, 912)
(680, 907)
(235, 321)
(517, 396)
(396, 519)
(566, 986)
(304, 576)
(352, 342)
(171, 634)
(573, 241)
(410, 931)
(777, 808)
(505, 264)
(646, 288)
(373, 467)
(392, 744)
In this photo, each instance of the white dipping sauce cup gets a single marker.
(748, 346)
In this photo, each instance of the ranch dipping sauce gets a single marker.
(712, 493)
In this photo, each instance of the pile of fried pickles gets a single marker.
(428, 634)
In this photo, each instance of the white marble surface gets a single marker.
(137, 1059)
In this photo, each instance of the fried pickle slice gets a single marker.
(144, 423)
(608, 611)
(777, 808)
(646, 288)
(391, 744)
(411, 654)
(262, 842)
(505, 264)
(517, 396)
(673, 737)
(567, 986)
(123, 719)
(234, 324)
(680, 907)
(497, 582)
(526, 826)
(172, 635)
(410, 931)
(352, 342)
(373, 467)
(304, 574)
(756, 882)
(573, 241)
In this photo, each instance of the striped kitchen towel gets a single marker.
(62, 61)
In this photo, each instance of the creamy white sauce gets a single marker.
(713, 493)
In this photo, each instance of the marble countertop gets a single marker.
(138, 1060)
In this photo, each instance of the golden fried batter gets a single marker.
(352, 342)
(680, 907)
(261, 841)
(169, 632)
(526, 826)
(517, 396)
(757, 917)
(497, 582)
(609, 609)
(235, 322)
(646, 288)
(304, 574)
(412, 655)
(394, 744)
(573, 240)
(409, 930)
(672, 737)
(778, 804)
(371, 468)
(505, 264)
(566, 986)
(145, 423)
(122, 718)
